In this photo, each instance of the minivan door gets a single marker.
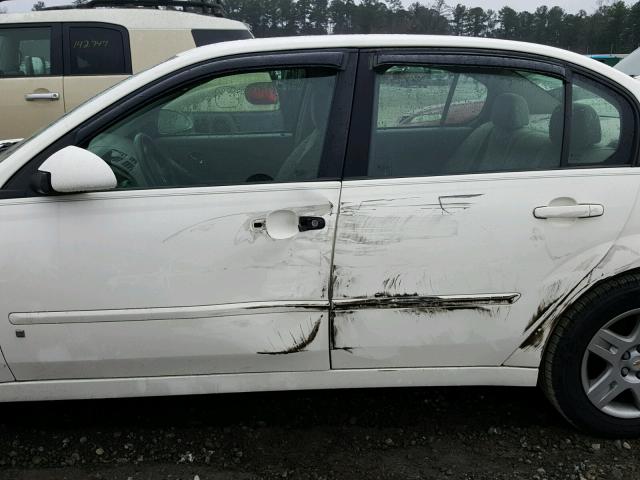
(30, 78)
(96, 57)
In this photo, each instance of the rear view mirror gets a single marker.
(73, 170)
(261, 93)
(171, 122)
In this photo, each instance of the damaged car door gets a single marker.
(212, 254)
(478, 193)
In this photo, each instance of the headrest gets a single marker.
(585, 126)
(510, 111)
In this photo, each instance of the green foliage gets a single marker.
(612, 28)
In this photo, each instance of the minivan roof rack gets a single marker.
(205, 7)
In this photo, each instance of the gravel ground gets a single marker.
(456, 433)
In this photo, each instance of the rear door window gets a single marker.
(26, 52)
(411, 96)
(97, 50)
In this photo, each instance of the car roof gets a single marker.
(131, 18)
(259, 45)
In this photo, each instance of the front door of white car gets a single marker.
(472, 207)
(213, 253)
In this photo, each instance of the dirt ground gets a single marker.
(453, 433)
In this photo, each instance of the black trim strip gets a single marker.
(467, 59)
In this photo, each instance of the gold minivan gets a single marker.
(53, 60)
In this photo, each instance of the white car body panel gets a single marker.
(430, 233)
(164, 314)
(265, 382)
(165, 249)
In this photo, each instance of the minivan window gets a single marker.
(25, 52)
(207, 37)
(96, 51)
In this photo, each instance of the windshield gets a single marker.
(630, 64)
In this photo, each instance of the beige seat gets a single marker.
(304, 160)
(586, 135)
(505, 143)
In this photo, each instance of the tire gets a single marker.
(570, 367)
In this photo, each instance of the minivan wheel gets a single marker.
(591, 366)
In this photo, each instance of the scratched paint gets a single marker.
(459, 236)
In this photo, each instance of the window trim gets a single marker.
(344, 60)
(55, 53)
(633, 104)
(66, 47)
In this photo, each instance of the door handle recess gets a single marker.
(310, 223)
(583, 210)
(52, 96)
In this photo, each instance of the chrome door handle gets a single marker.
(30, 97)
(583, 210)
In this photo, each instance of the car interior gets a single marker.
(520, 127)
(224, 147)
(25, 52)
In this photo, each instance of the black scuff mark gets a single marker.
(439, 310)
(414, 300)
(334, 332)
(346, 349)
(392, 283)
(442, 200)
(535, 339)
(543, 308)
(300, 343)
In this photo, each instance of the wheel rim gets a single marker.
(611, 367)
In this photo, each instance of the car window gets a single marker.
(423, 96)
(602, 126)
(214, 106)
(25, 52)
(266, 126)
(96, 51)
(473, 119)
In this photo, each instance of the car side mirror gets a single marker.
(73, 170)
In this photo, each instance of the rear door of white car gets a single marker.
(474, 200)
(202, 260)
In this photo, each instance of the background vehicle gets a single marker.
(53, 60)
(630, 64)
(254, 216)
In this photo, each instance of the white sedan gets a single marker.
(259, 215)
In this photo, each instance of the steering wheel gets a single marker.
(152, 160)
(158, 167)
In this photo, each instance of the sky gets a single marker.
(569, 5)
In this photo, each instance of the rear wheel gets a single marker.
(591, 368)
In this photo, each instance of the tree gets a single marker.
(613, 27)
(39, 5)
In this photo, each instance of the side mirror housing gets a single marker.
(73, 170)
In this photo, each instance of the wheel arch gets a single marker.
(532, 349)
